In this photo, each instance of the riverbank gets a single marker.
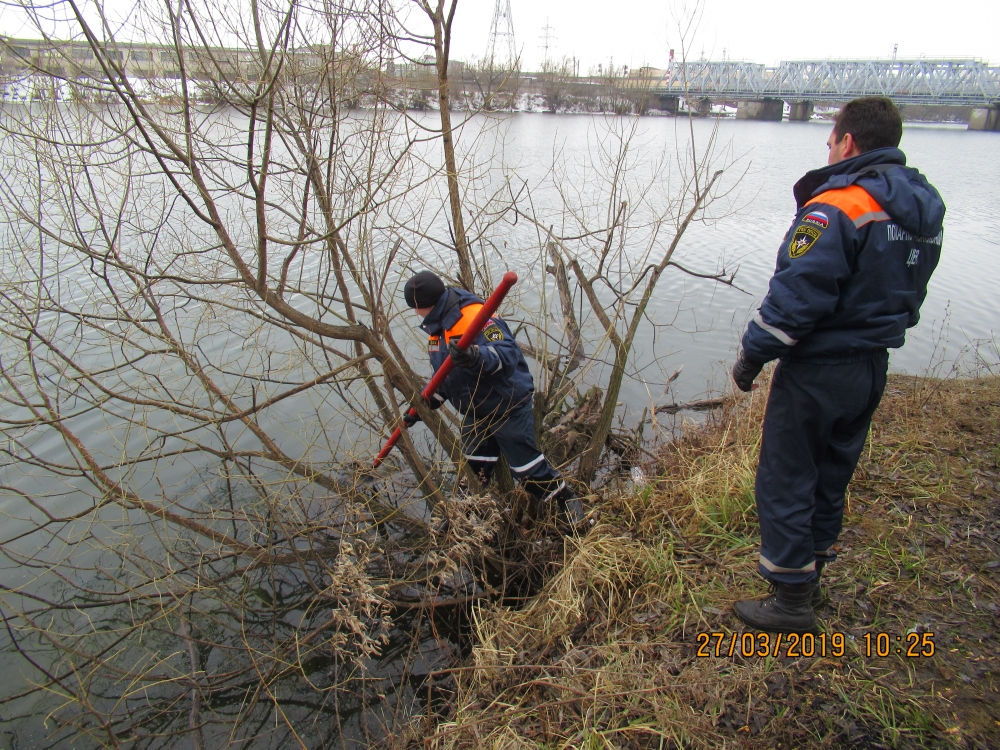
(607, 655)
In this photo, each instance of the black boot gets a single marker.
(787, 610)
(573, 512)
(817, 591)
(565, 508)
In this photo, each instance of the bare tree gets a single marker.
(495, 85)
(442, 16)
(558, 82)
(621, 223)
(203, 344)
(199, 274)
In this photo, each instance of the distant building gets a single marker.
(78, 59)
(646, 73)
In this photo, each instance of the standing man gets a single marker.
(492, 386)
(851, 275)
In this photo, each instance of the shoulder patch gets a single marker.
(818, 218)
(492, 331)
(803, 238)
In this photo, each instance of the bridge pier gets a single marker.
(763, 109)
(985, 118)
(700, 106)
(800, 111)
(669, 104)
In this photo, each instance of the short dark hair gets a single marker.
(873, 122)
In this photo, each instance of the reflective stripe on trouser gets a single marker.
(825, 555)
(815, 428)
(513, 435)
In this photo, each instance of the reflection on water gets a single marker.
(215, 654)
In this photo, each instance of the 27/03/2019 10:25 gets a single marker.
(796, 645)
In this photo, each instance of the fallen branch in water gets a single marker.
(704, 404)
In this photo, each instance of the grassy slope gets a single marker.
(606, 656)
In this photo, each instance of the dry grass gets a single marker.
(605, 656)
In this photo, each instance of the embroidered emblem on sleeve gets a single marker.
(492, 332)
(803, 238)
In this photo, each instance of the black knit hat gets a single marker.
(423, 290)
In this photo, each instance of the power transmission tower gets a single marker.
(502, 50)
(547, 39)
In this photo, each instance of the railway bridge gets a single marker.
(761, 92)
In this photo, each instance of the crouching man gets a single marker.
(492, 386)
(851, 275)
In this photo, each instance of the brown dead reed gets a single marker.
(606, 656)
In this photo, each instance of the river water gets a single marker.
(693, 324)
(706, 319)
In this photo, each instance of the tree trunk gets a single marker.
(442, 52)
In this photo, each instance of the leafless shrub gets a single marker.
(198, 351)
(203, 347)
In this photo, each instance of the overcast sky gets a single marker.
(635, 32)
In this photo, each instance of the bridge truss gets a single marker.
(964, 82)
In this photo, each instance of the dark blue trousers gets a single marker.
(815, 428)
(513, 435)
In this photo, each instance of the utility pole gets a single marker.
(502, 49)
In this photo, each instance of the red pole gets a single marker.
(475, 328)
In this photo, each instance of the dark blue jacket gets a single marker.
(853, 268)
(501, 380)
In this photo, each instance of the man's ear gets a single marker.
(850, 147)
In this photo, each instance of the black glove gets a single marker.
(744, 373)
(468, 358)
(434, 402)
